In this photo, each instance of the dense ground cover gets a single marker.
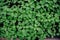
(29, 19)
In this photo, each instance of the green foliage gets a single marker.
(29, 19)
